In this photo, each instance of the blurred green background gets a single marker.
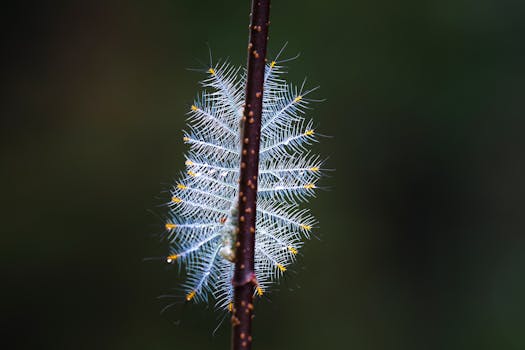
(422, 241)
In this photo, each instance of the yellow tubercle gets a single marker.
(188, 162)
(260, 291)
(170, 226)
(272, 64)
(181, 187)
(211, 71)
(185, 139)
(176, 199)
(292, 250)
(171, 258)
(306, 227)
(298, 98)
(314, 169)
(191, 173)
(309, 132)
(309, 186)
(281, 267)
(190, 295)
(194, 108)
(230, 307)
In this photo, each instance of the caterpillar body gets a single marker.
(202, 218)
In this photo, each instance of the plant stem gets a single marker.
(244, 280)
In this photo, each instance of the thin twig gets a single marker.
(244, 280)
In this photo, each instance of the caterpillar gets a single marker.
(201, 223)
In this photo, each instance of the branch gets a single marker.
(244, 280)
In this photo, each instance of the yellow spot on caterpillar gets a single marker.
(191, 173)
(171, 258)
(230, 307)
(314, 169)
(189, 162)
(181, 187)
(298, 98)
(309, 186)
(170, 226)
(176, 200)
(194, 108)
(281, 267)
(185, 139)
(292, 250)
(190, 295)
(211, 71)
(260, 291)
(272, 64)
(306, 227)
(309, 132)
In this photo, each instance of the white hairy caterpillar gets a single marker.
(203, 209)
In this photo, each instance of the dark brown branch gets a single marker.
(244, 281)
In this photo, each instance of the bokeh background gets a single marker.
(422, 241)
